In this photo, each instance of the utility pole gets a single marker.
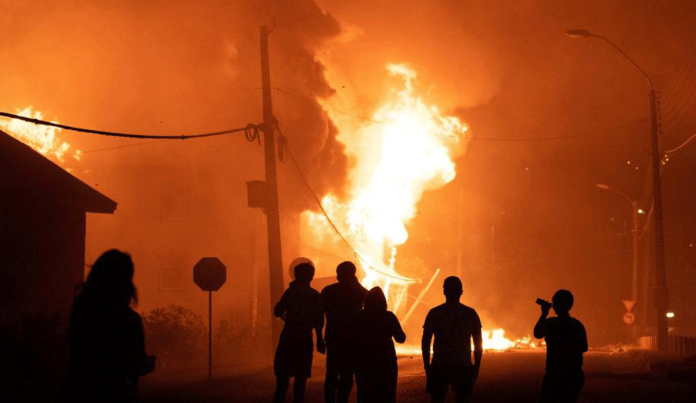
(275, 262)
(634, 269)
(661, 297)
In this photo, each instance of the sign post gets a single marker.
(210, 274)
(629, 318)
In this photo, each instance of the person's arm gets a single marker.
(282, 306)
(142, 364)
(478, 351)
(540, 327)
(425, 344)
(321, 347)
(397, 331)
(583, 339)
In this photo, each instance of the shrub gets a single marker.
(176, 335)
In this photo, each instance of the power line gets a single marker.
(686, 105)
(330, 221)
(142, 143)
(250, 130)
(500, 139)
(676, 149)
(584, 134)
(681, 75)
(313, 99)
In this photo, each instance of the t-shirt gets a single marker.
(301, 307)
(453, 325)
(566, 341)
(340, 302)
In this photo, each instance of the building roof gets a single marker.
(26, 176)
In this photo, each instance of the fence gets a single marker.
(682, 345)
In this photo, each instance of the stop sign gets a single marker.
(209, 274)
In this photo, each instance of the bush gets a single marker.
(176, 335)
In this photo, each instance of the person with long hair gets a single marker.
(372, 331)
(106, 338)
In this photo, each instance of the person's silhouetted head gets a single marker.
(562, 302)
(375, 300)
(452, 288)
(304, 273)
(110, 281)
(345, 272)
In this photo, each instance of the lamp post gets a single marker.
(634, 237)
(661, 299)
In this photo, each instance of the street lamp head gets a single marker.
(602, 186)
(578, 33)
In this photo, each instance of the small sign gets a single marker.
(629, 318)
(209, 274)
(629, 304)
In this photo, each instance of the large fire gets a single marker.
(44, 139)
(404, 150)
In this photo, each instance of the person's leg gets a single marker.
(331, 379)
(437, 385)
(547, 389)
(360, 383)
(394, 378)
(462, 384)
(298, 389)
(282, 384)
(571, 387)
(345, 384)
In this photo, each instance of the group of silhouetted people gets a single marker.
(107, 346)
(360, 334)
(359, 338)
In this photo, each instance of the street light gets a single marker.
(634, 236)
(661, 297)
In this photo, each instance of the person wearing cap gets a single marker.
(300, 308)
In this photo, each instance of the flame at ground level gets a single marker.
(493, 340)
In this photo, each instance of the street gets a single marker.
(513, 376)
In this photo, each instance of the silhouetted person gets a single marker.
(454, 325)
(340, 302)
(106, 339)
(372, 330)
(566, 341)
(300, 307)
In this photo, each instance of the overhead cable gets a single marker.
(250, 130)
(330, 221)
(682, 145)
(498, 139)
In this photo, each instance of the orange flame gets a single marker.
(43, 139)
(405, 150)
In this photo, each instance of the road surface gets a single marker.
(513, 376)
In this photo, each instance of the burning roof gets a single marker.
(29, 176)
